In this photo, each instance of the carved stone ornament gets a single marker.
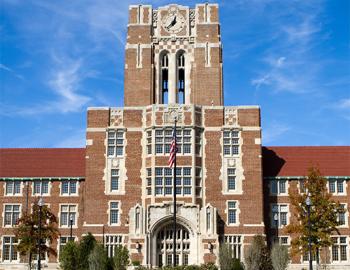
(173, 113)
(155, 18)
(116, 118)
(230, 116)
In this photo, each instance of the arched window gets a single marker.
(164, 66)
(181, 78)
(137, 219)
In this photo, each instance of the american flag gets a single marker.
(173, 150)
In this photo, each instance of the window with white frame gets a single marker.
(232, 212)
(12, 213)
(231, 179)
(163, 138)
(12, 187)
(278, 187)
(68, 211)
(231, 142)
(149, 181)
(339, 249)
(281, 240)
(111, 242)
(342, 216)
(163, 181)
(279, 215)
(9, 249)
(302, 188)
(114, 213)
(69, 187)
(336, 186)
(137, 218)
(115, 143)
(149, 142)
(235, 243)
(41, 187)
(198, 181)
(114, 180)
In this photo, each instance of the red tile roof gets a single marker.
(295, 160)
(42, 162)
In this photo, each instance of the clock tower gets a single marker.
(173, 56)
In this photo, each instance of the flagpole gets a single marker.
(174, 206)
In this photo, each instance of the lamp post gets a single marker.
(71, 226)
(308, 205)
(40, 204)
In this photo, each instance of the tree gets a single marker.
(258, 256)
(121, 258)
(323, 215)
(86, 246)
(27, 232)
(69, 256)
(279, 257)
(98, 259)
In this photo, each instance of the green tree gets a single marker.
(258, 257)
(121, 258)
(279, 257)
(69, 256)
(323, 215)
(98, 259)
(27, 232)
(86, 246)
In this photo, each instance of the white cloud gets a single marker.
(6, 68)
(344, 103)
(273, 132)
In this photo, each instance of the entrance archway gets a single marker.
(164, 245)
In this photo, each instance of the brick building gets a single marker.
(119, 187)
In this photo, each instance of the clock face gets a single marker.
(173, 22)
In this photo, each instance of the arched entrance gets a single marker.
(164, 245)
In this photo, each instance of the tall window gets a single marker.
(279, 215)
(68, 211)
(114, 179)
(9, 249)
(208, 218)
(278, 187)
(231, 142)
(149, 181)
(13, 187)
(235, 243)
(231, 179)
(111, 242)
(41, 187)
(11, 215)
(342, 215)
(339, 249)
(115, 143)
(232, 212)
(164, 69)
(113, 213)
(336, 186)
(69, 187)
(181, 78)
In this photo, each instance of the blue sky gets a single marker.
(290, 57)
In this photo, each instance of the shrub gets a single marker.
(69, 256)
(87, 244)
(98, 259)
(209, 266)
(121, 258)
(237, 265)
(258, 257)
(279, 257)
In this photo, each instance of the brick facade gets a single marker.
(124, 185)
